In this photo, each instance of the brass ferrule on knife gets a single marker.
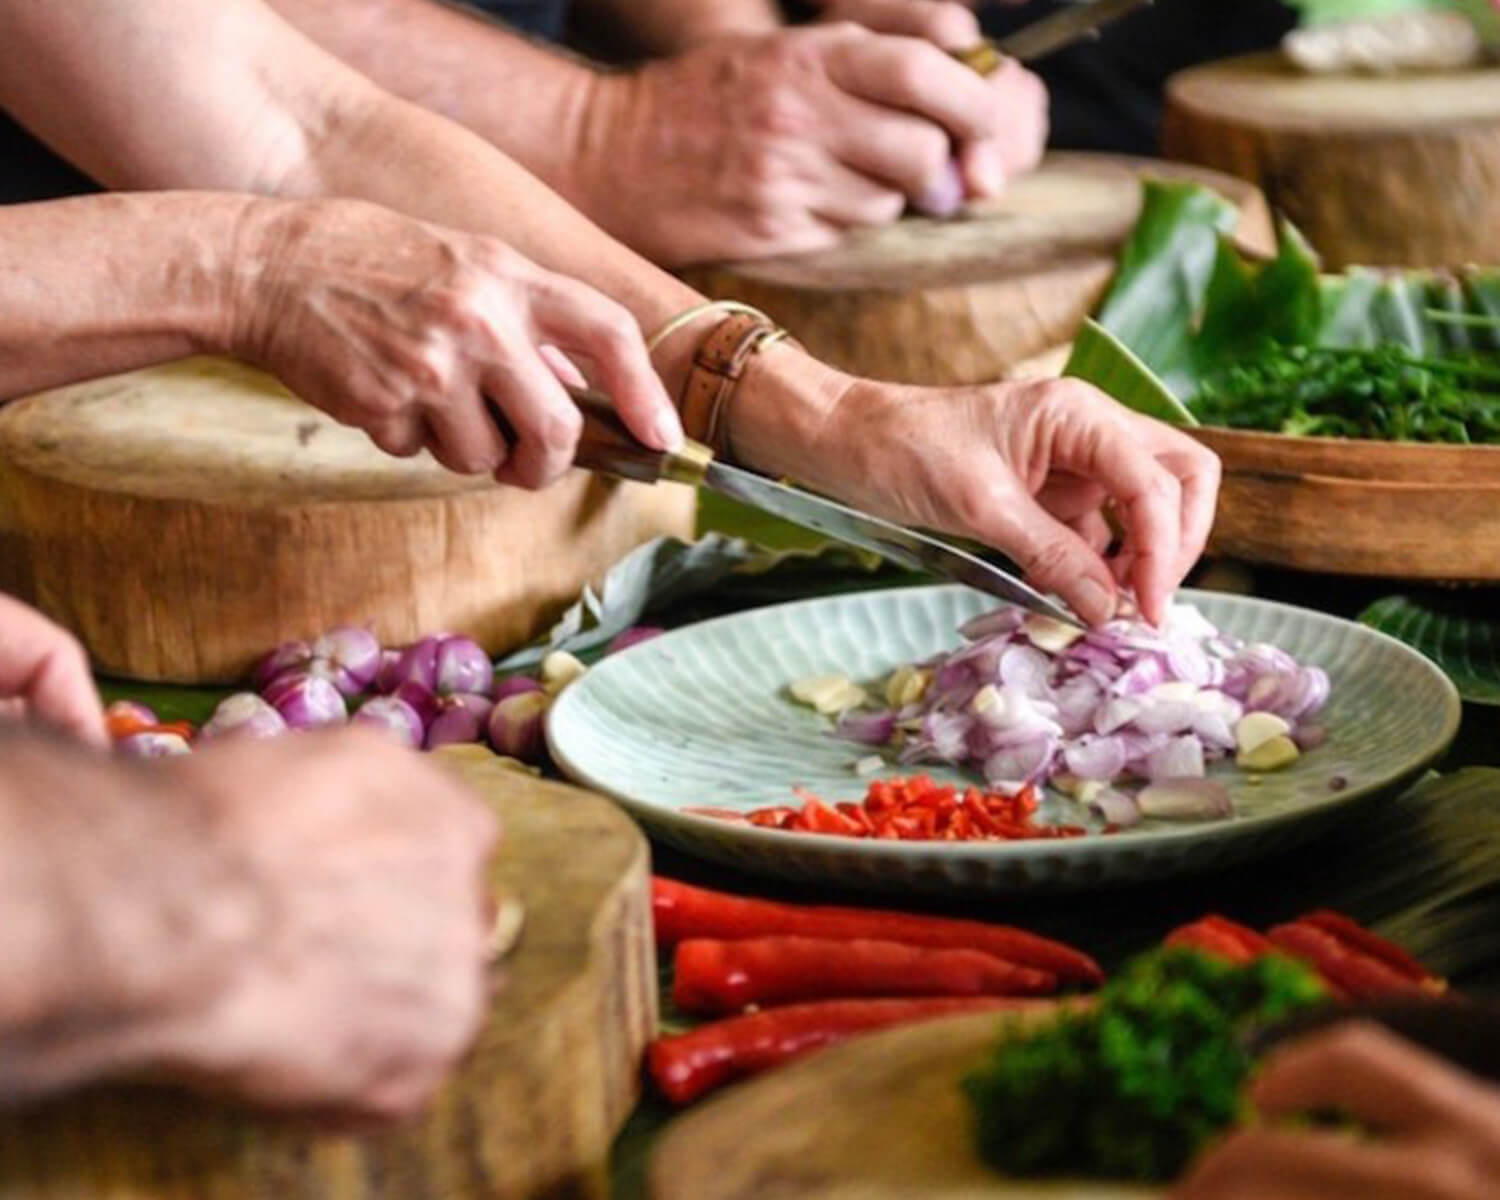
(606, 445)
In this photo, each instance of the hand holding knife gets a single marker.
(607, 446)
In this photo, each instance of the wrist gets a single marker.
(610, 155)
(264, 242)
(786, 415)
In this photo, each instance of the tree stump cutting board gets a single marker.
(1394, 170)
(878, 1118)
(531, 1114)
(186, 518)
(963, 301)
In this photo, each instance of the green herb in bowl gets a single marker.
(1133, 1087)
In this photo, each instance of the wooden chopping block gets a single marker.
(184, 519)
(1394, 170)
(530, 1115)
(963, 301)
(878, 1118)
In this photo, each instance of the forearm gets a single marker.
(671, 26)
(528, 100)
(118, 919)
(449, 177)
(259, 107)
(107, 283)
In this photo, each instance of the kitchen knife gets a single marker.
(607, 446)
(1047, 36)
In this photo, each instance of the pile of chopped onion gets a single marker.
(1032, 701)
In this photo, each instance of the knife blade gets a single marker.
(608, 447)
(887, 539)
(1049, 35)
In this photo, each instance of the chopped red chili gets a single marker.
(916, 809)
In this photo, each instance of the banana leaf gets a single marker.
(1105, 361)
(1458, 630)
(1186, 302)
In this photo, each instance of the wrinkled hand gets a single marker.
(415, 334)
(366, 977)
(986, 164)
(777, 144)
(1438, 1129)
(44, 675)
(1035, 470)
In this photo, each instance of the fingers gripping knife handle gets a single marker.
(607, 446)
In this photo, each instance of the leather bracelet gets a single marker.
(718, 365)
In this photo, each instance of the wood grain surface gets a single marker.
(530, 1115)
(186, 518)
(879, 1118)
(964, 300)
(1387, 170)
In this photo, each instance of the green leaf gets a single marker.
(170, 702)
(1164, 270)
(1457, 629)
(1246, 305)
(666, 573)
(1102, 359)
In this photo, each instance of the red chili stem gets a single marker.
(682, 911)
(712, 976)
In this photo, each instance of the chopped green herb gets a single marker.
(1135, 1086)
(1385, 392)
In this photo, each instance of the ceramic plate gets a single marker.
(701, 718)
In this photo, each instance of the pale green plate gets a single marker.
(701, 718)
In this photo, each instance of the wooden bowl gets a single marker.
(1347, 507)
(184, 519)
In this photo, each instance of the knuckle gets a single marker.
(560, 429)
(431, 367)
(781, 112)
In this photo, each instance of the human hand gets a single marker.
(983, 166)
(365, 976)
(1438, 1128)
(1035, 470)
(777, 144)
(414, 333)
(44, 675)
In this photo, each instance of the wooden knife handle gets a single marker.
(608, 447)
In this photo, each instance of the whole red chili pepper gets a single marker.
(686, 1065)
(1350, 972)
(713, 976)
(682, 911)
(1357, 937)
(1222, 937)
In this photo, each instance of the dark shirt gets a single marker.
(1107, 95)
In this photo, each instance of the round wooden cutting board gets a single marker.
(186, 518)
(963, 301)
(530, 1115)
(878, 1118)
(1383, 170)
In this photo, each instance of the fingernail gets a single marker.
(989, 175)
(944, 197)
(1096, 603)
(668, 430)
